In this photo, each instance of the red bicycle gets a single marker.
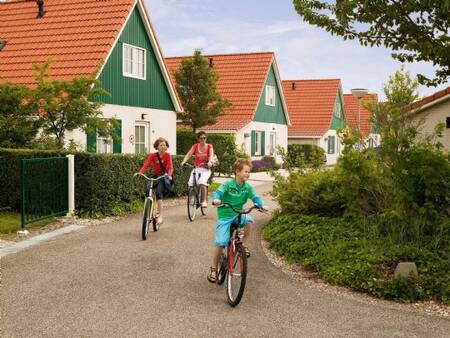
(233, 261)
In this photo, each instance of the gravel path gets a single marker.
(105, 281)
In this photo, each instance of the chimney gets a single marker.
(211, 62)
(293, 85)
(41, 12)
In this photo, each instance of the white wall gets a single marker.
(162, 124)
(243, 136)
(323, 142)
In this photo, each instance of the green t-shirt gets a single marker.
(235, 194)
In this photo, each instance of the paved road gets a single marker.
(104, 281)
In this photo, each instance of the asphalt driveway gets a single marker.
(104, 281)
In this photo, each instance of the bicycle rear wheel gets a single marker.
(146, 218)
(222, 269)
(191, 203)
(237, 274)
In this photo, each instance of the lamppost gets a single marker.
(359, 93)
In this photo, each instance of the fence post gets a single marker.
(71, 182)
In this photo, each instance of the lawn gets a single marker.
(9, 222)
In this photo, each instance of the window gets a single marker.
(273, 143)
(448, 122)
(258, 143)
(140, 139)
(134, 62)
(270, 95)
(331, 144)
(103, 145)
(338, 111)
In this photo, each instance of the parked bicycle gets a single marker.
(194, 196)
(150, 211)
(233, 261)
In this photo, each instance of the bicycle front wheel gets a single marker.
(237, 274)
(191, 203)
(222, 269)
(146, 219)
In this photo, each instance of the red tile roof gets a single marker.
(76, 34)
(241, 81)
(427, 100)
(351, 112)
(310, 105)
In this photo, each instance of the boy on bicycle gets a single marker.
(235, 192)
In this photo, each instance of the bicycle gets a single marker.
(233, 261)
(150, 214)
(193, 196)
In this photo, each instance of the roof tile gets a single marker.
(241, 80)
(310, 104)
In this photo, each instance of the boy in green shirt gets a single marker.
(235, 192)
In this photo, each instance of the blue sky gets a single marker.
(302, 51)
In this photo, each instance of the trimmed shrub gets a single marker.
(344, 252)
(301, 155)
(103, 182)
(224, 147)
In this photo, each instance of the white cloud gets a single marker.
(302, 51)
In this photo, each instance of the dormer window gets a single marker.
(270, 95)
(2, 44)
(134, 64)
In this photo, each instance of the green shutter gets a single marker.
(331, 144)
(263, 143)
(253, 141)
(117, 145)
(91, 143)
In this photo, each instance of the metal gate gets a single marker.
(44, 188)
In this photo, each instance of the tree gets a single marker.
(196, 87)
(395, 126)
(415, 30)
(63, 106)
(18, 125)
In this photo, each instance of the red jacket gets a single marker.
(166, 160)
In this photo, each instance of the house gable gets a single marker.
(338, 119)
(127, 91)
(267, 113)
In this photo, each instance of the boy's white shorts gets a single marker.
(202, 175)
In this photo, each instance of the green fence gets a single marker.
(44, 188)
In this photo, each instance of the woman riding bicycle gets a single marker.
(162, 163)
(203, 155)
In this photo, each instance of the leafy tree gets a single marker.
(18, 126)
(415, 30)
(63, 106)
(196, 87)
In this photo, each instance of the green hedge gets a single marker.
(103, 182)
(300, 155)
(224, 148)
(345, 252)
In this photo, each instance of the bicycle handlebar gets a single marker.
(150, 178)
(192, 166)
(243, 211)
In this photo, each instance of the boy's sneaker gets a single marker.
(204, 204)
(159, 220)
(247, 251)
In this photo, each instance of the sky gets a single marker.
(302, 51)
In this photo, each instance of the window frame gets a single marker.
(270, 94)
(146, 142)
(134, 63)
